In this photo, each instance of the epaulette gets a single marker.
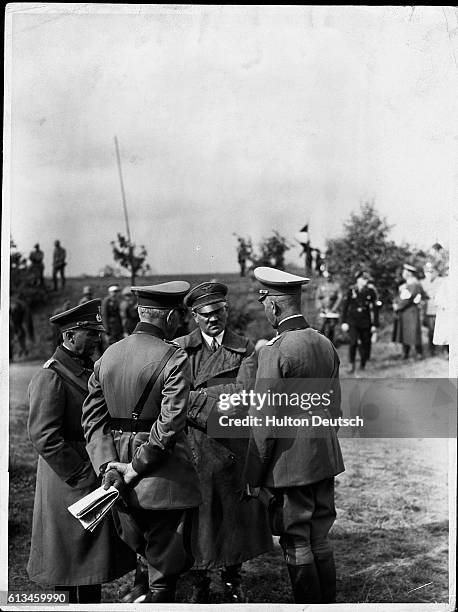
(49, 363)
(274, 339)
(173, 343)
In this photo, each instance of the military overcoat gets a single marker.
(226, 529)
(160, 453)
(297, 352)
(62, 552)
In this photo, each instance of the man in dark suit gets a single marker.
(62, 553)
(297, 470)
(134, 420)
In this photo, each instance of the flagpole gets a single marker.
(123, 194)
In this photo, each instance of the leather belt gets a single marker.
(132, 425)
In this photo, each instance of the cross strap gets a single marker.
(150, 384)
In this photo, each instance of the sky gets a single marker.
(230, 120)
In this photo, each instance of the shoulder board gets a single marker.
(274, 339)
(49, 363)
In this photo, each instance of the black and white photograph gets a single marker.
(229, 283)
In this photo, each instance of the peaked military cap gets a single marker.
(165, 295)
(207, 297)
(410, 268)
(277, 282)
(85, 316)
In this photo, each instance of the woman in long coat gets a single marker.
(407, 329)
(63, 554)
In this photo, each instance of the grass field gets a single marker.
(391, 534)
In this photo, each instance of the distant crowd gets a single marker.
(356, 312)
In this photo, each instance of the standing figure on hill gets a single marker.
(58, 264)
(226, 530)
(37, 266)
(407, 327)
(62, 553)
(128, 311)
(360, 319)
(111, 315)
(244, 251)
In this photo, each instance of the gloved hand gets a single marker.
(345, 327)
(113, 478)
(125, 470)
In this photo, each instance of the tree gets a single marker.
(272, 251)
(365, 245)
(124, 254)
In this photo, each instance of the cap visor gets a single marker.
(210, 307)
(95, 327)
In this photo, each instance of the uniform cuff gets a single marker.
(147, 458)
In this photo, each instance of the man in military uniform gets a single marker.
(128, 311)
(226, 531)
(329, 297)
(360, 319)
(134, 420)
(298, 470)
(58, 264)
(111, 315)
(87, 294)
(62, 553)
(37, 267)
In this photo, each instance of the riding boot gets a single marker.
(305, 583)
(162, 591)
(141, 586)
(327, 574)
(200, 590)
(232, 579)
(160, 595)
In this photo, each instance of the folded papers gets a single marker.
(91, 509)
